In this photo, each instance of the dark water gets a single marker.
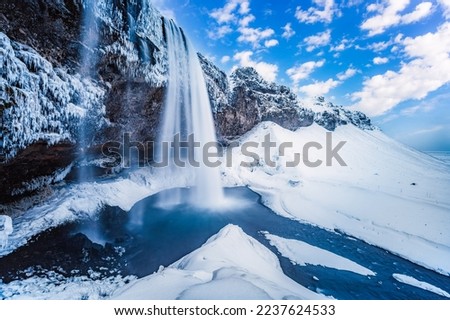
(149, 236)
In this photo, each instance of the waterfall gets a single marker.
(89, 39)
(187, 112)
(88, 59)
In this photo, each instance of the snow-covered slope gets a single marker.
(230, 265)
(388, 194)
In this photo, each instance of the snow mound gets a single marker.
(302, 253)
(420, 284)
(228, 260)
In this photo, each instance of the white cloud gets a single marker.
(445, 5)
(220, 32)
(379, 46)
(288, 32)
(318, 40)
(427, 71)
(352, 3)
(427, 130)
(161, 5)
(235, 16)
(254, 35)
(350, 72)
(421, 11)
(271, 43)
(388, 14)
(226, 14)
(225, 59)
(245, 21)
(339, 47)
(245, 7)
(304, 70)
(343, 45)
(322, 12)
(380, 60)
(266, 70)
(374, 7)
(319, 88)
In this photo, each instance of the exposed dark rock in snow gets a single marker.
(246, 99)
(51, 27)
(217, 84)
(253, 100)
(34, 167)
(334, 116)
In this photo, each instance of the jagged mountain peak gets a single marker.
(251, 99)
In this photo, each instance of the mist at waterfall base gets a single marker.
(187, 112)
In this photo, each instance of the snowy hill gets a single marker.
(388, 194)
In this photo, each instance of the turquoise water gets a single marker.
(150, 236)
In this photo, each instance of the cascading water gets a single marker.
(89, 38)
(187, 113)
(88, 58)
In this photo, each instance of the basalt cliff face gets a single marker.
(46, 96)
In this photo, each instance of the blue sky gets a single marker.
(387, 58)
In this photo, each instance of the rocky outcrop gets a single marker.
(253, 100)
(48, 100)
(333, 116)
(217, 84)
(36, 166)
(51, 27)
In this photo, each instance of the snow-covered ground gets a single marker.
(57, 287)
(302, 253)
(230, 265)
(441, 155)
(388, 195)
(420, 284)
